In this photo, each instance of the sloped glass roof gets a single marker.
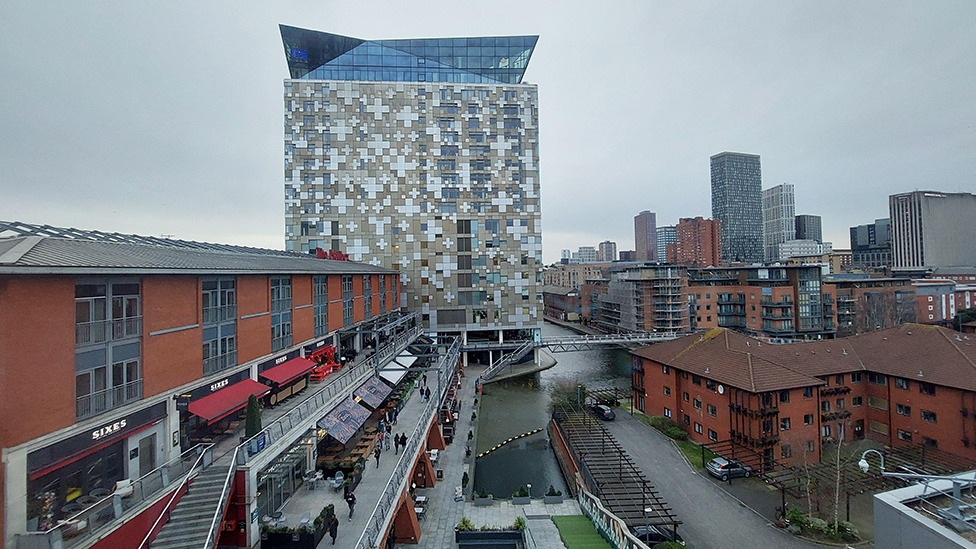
(317, 55)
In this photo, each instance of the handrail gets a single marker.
(401, 473)
(505, 360)
(175, 493)
(224, 496)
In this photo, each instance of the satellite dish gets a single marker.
(721, 390)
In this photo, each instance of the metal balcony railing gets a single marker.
(213, 315)
(102, 401)
(100, 331)
(219, 362)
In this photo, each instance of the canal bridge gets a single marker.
(564, 344)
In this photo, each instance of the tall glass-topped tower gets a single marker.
(737, 204)
(422, 156)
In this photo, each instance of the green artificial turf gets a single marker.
(578, 532)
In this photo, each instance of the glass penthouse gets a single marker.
(421, 156)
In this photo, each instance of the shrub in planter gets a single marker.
(847, 531)
(794, 529)
(553, 492)
(521, 492)
(795, 516)
(519, 524)
(819, 525)
(465, 525)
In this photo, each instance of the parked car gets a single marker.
(723, 468)
(652, 535)
(603, 412)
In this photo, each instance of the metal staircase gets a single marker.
(190, 521)
(505, 360)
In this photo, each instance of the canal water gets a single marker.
(511, 408)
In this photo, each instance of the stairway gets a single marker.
(189, 522)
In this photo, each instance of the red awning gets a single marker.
(289, 371)
(227, 400)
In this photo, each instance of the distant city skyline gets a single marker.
(148, 142)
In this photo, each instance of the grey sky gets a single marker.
(166, 118)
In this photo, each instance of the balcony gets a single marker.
(213, 315)
(100, 331)
(768, 302)
(220, 362)
(768, 327)
(731, 300)
(785, 315)
(101, 401)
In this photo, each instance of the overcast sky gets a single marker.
(167, 117)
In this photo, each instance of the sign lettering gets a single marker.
(219, 385)
(108, 429)
(281, 360)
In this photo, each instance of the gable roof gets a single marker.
(943, 357)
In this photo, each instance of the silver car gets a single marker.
(724, 469)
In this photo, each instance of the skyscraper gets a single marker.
(932, 229)
(808, 227)
(422, 156)
(665, 235)
(779, 219)
(645, 236)
(871, 244)
(737, 205)
(697, 244)
(607, 251)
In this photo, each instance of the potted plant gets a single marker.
(483, 499)
(466, 532)
(521, 496)
(553, 495)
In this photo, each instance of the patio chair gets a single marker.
(337, 481)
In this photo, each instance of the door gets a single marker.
(147, 454)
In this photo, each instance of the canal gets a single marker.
(511, 408)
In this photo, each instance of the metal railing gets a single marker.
(219, 362)
(212, 315)
(92, 522)
(211, 540)
(113, 397)
(510, 358)
(297, 418)
(383, 511)
(100, 331)
(166, 508)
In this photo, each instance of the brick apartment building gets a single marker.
(697, 243)
(912, 384)
(107, 346)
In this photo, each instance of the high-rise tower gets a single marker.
(645, 236)
(422, 156)
(779, 219)
(737, 205)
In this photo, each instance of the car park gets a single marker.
(725, 469)
(652, 535)
(603, 412)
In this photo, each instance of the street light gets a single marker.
(529, 486)
(957, 481)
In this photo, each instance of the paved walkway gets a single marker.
(711, 517)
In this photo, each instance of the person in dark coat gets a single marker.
(351, 501)
(334, 528)
(377, 453)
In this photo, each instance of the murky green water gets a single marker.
(511, 408)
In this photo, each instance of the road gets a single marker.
(711, 518)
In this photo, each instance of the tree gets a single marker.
(963, 316)
(252, 425)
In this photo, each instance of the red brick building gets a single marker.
(105, 346)
(913, 384)
(698, 243)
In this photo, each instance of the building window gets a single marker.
(784, 397)
(857, 401)
(877, 379)
(808, 419)
(903, 410)
(855, 377)
(930, 443)
(904, 435)
(786, 450)
(840, 404)
(696, 380)
(368, 295)
(666, 369)
(698, 428)
(784, 424)
(667, 412)
(901, 383)
(697, 404)
(281, 332)
(929, 416)
(347, 295)
(878, 427)
(876, 402)
(382, 293)
(712, 411)
(926, 388)
(839, 380)
(808, 392)
(712, 435)
(667, 391)
(810, 446)
(825, 431)
(825, 406)
(219, 300)
(320, 303)
(686, 397)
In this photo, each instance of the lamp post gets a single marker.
(579, 395)
(529, 488)
(957, 481)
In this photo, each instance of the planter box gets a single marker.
(491, 538)
(482, 502)
(521, 501)
(288, 541)
(552, 499)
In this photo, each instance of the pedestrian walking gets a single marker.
(396, 415)
(377, 453)
(424, 378)
(381, 436)
(389, 435)
(334, 527)
(396, 444)
(351, 501)
(427, 393)
(403, 441)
